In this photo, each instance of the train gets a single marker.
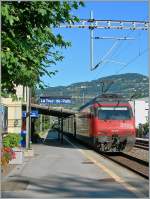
(106, 123)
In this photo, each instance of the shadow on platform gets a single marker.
(53, 138)
(68, 186)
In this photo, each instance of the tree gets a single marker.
(28, 43)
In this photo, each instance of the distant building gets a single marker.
(141, 110)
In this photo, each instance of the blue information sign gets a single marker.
(32, 113)
(55, 100)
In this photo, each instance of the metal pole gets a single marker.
(61, 127)
(74, 118)
(83, 98)
(28, 118)
(102, 87)
(41, 123)
(49, 121)
(61, 130)
(91, 40)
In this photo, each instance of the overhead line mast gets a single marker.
(91, 40)
(105, 24)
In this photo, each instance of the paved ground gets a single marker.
(64, 170)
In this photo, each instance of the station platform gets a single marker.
(62, 170)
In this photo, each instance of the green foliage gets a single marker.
(46, 125)
(146, 126)
(143, 130)
(28, 43)
(11, 140)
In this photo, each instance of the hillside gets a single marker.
(124, 84)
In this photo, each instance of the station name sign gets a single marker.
(55, 100)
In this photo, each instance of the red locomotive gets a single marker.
(106, 123)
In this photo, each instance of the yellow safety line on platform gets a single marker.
(109, 172)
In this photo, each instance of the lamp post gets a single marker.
(101, 82)
(83, 94)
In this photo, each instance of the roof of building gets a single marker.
(53, 111)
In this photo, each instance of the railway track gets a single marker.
(142, 143)
(141, 147)
(132, 163)
(134, 160)
(129, 161)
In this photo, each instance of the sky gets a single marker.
(75, 66)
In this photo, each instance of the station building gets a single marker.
(141, 110)
(14, 110)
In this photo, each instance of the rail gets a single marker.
(142, 143)
(134, 164)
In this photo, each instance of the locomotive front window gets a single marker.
(114, 113)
